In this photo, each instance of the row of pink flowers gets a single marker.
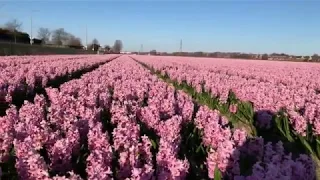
(24, 73)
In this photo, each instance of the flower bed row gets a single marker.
(21, 79)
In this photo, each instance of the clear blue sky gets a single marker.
(256, 26)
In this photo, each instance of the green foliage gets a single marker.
(217, 174)
(8, 168)
(282, 125)
(193, 149)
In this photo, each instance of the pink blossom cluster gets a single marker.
(126, 142)
(7, 132)
(100, 157)
(32, 133)
(31, 123)
(165, 114)
(65, 138)
(224, 143)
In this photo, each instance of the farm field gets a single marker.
(101, 117)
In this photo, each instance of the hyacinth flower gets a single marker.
(7, 132)
(222, 142)
(29, 165)
(169, 166)
(131, 151)
(32, 135)
(32, 122)
(185, 106)
(169, 133)
(100, 157)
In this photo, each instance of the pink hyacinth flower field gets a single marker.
(132, 117)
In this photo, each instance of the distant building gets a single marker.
(279, 58)
(101, 50)
(125, 52)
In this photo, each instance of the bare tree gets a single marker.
(95, 41)
(306, 58)
(14, 26)
(117, 47)
(44, 34)
(315, 57)
(74, 41)
(264, 57)
(153, 52)
(59, 36)
(107, 48)
(94, 46)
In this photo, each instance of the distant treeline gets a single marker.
(238, 55)
(213, 55)
(18, 43)
(220, 55)
(24, 38)
(16, 37)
